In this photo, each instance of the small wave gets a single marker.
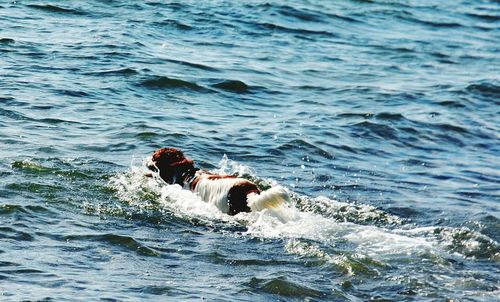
(191, 64)
(348, 264)
(28, 165)
(7, 41)
(304, 146)
(147, 135)
(163, 82)
(285, 29)
(485, 89)
(122, 71)
(57, 9)
(74, 93)
(468, 243)
(173, 24)
(12, 114)
(407, 16)
(8, 100)
(57, 167)
(440, 24)
(283, 287)
(372, 129)
(30, 188)
(232, 86)
(21, 117)
(13, 234)
(126, 242)
(462, 241)
(346, 212)
(451, 104)
(233, 260)
(170, 5)
(162, 290)
(56, 121)
(304, 14)
(451, 128)
(488, 225)
(350, 115)
(299, 14)
(106, 147)
(8, 209)
(387, 116)
(377, 243)
(485, 17)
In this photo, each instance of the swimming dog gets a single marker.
(231, 194)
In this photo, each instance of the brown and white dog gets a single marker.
(230, 194)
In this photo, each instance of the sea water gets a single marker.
(379, 117)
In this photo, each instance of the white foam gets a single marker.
(310, 219)
(303, 249)
(230, 167)
(372, 241)
(215, 191)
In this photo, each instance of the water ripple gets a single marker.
(281, 286)
(57, 9)
(126, 242)
(163, 82)
(380, 117)
(232, 86)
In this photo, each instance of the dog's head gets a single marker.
(172, 165)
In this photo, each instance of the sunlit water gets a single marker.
(379, 117)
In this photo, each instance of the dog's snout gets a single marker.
(151, 165)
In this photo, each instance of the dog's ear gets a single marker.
(172, 165)
(167, 156)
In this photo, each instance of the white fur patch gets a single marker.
(268, 199)
(215, 191)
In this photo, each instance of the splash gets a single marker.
(311, 227)
(462, 241)
(135, 188)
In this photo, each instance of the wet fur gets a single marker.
(230, 194)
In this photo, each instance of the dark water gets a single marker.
(381, 117)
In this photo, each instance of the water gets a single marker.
(380, 117)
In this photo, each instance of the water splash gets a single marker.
(370, 233)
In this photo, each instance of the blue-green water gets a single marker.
(380, 117)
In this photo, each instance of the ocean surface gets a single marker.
(381, 117)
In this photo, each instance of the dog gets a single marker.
(230, 194)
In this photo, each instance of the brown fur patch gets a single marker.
(237, 196)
